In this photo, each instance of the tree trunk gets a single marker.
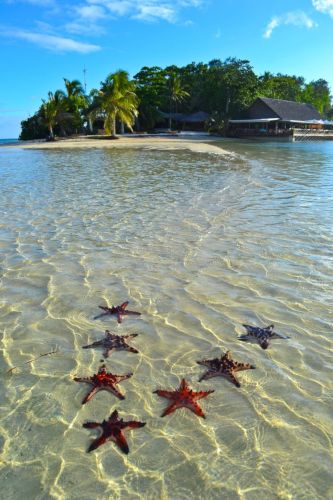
(114, 125)
(122, 128)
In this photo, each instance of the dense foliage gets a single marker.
(224, 89)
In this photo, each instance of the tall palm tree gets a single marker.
(76, 101)
(52, 111)
(118, 101)
(176, 94)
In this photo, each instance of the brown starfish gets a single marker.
(224, 366)
(112, 429)
(183, 397)
(262, 336)
(103, 381)
(113, 342)
(119, 311)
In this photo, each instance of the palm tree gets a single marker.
(118, 101)
(51, 111)
(176, 93)
(76, 101)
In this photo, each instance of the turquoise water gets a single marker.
(8, 141)
(200, 244)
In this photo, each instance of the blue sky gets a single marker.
(43, 41)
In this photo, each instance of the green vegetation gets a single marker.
(222, 88)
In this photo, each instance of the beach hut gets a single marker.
(277, 118)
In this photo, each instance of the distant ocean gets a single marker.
(8, 141)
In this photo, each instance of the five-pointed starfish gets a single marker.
(224, 366)
(103, 381)
(262, 336)
(112, 429)
(183, 397)
(112, 342)
(119, 311)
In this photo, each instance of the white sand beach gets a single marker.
(199, 143)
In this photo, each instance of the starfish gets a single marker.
(112, 342)
(112, 429)
(262, 336)
(119, 311)
(103, 381)
(224, 366)
(183, 397)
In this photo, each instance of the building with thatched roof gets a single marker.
(278, 118)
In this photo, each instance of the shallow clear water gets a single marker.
(199, 244)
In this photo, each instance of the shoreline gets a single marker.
(198, 143)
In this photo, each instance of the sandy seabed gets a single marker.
(199, 144)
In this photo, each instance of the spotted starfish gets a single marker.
(224, 366)
(183, 397)
(119, 311)
(262, 336)
(103, 381)
(112, 429)
(113, 342)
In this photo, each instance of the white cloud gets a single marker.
(90, 12)
(52, 42)
(323, 6)
(147, 10)
(297, 18)
(153, 12)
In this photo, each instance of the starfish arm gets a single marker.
(231, 377)
(101, 315)
(269, 329)
(165, 394)
(87, 380)
(207, 375)
(171, 408)
(107, 352)
(204, 362)
(94, 344)
(114, 416)
(275, 335)
(91, 425)
(264, 343)
(90, 395)
(131, 349)
(183, 385)
(243, 366)
(124, 305)
(124, 377)
(196, 409)
(96, 443)
(120, 440)
(131, 313)
(131, 336)
(203, 394)
(114, 391)
(133, 424)
(120, 315)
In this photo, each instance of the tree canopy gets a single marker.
(222, 88)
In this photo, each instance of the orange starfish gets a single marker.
(103, 381)
(183, 397)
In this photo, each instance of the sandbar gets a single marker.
(196, 143)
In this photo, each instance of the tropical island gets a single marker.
(197, 96)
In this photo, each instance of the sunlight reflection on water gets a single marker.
(199, 244)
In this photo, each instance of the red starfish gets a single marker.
(224, 366)
(183, 397)
(112, 429)
(119, 311)
(103, 381)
